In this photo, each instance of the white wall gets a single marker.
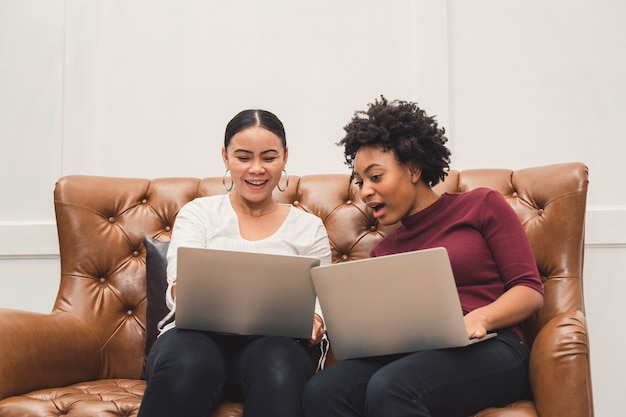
(145, 88)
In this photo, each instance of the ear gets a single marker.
(415, 173)
(286, 156)
(225, 157)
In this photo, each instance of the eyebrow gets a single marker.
(250, 152)
(367, 169)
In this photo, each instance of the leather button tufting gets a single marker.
(102, 280)
(168, 228)
(135, 254)
(144, 201)
(344, 257)
(129, 312)
(348, 202)
(111, 219)
(373, 228)
(295, 203)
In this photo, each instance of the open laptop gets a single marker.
(245, 293)
(391, 304)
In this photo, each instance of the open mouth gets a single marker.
(377, 208)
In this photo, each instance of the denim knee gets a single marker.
(276, 357)
(186, 356)
(379, 388)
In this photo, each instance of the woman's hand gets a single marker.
(475, 324)
(512, 307)
(318, 330)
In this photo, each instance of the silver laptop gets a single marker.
(391, 304)
(245, 293)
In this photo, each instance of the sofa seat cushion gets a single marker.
(107, 397)
(103, 398)
(122, 397)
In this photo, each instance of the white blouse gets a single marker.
(211, 222)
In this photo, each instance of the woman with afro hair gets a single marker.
(397, 154)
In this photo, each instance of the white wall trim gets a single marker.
(605, 228)
(28, 240)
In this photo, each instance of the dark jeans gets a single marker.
(446, 382)
(189, 372)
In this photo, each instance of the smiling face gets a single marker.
(256, 158)
(389, 188)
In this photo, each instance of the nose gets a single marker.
(257, 166)
(366, 191)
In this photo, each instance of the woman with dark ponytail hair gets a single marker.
(250, 118)
(189, 372)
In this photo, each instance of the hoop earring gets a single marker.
(224, 182)
(286, 182)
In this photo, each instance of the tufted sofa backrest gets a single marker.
(551, 202)
(102, 222)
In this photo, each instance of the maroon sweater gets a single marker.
(488, 248)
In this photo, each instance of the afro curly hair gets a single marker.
(404, 129)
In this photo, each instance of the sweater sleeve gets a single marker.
(509, 244)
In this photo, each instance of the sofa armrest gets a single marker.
(44, 350)
(559, 368)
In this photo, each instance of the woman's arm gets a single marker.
(512, 307)
(189, 230)
(511, 250)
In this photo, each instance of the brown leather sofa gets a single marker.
(86, 357)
